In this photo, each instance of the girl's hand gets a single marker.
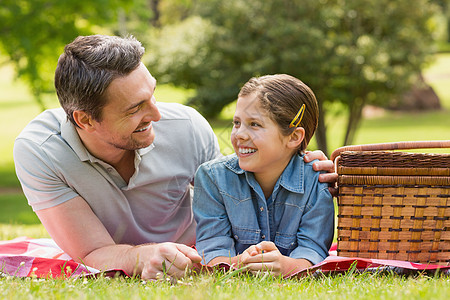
(265, 257)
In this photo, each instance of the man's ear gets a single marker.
(83, 120)
(296, 138)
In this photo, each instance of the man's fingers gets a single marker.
(190, 253)
(312, 155)
(331, 179)
(176, 259)
(165, 269)
(323, 165)
(328, 178)
(333, 191)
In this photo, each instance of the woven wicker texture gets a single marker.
(394, 205)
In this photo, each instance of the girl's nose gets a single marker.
(241, 132)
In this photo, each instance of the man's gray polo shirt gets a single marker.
(53, 166)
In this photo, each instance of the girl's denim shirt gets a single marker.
(232, 212)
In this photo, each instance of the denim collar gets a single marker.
(292, 178)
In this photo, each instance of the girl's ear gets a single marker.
(296, 138)
(83, 120)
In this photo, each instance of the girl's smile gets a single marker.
(245, 151)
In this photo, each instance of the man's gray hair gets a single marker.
(87, 67)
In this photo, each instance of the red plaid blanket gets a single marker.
(42, 258)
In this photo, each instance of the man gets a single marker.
(109, 174)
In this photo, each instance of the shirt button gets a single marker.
(263, 237)
(109, 170)
(261, 209)
(235, 236)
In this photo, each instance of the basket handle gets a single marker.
(392, 146)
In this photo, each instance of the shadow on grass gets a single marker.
(15, 210)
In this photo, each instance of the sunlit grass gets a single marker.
(218, 285)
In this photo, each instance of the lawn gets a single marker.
(218, 286)
(16, 218)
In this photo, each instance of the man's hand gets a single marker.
(324, 164)
(169, 259)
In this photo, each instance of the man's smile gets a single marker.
(144, 128)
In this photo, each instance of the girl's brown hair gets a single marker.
(282, 96)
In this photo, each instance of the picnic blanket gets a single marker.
(42, 258)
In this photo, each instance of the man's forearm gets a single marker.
(122, 257)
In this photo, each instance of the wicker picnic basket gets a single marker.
(394, 205)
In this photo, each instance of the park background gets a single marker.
(366, 61)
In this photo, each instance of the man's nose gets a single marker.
(153, 111)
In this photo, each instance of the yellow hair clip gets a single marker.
(298, 116)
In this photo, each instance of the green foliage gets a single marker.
(33, 33)
(352, 52)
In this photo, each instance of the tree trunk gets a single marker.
(321, 132)
(420, 97)
(122, 22)
(154, 5)
(354, 120)
(448, 28)
(38, 98)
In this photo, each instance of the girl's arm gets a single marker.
(213, 226)
(316, 228)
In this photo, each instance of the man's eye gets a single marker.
(135, 110)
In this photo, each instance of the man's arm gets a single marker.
(78, 231)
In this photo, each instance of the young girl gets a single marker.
(264, 207)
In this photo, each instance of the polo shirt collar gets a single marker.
(291, 179)
(70, 135)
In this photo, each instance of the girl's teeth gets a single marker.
(246, 150)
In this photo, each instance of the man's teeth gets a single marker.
(142, 129)
(246, 150)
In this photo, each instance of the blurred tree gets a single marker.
(352, 52)
(174, 11)
(445, 8)
(34, 32)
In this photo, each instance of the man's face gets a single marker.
(130, 110)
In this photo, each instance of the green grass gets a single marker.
(241, 286)
(15, 209)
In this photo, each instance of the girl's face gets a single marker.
(257, 139)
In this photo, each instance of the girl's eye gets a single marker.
(236, 123)
(254, 124)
